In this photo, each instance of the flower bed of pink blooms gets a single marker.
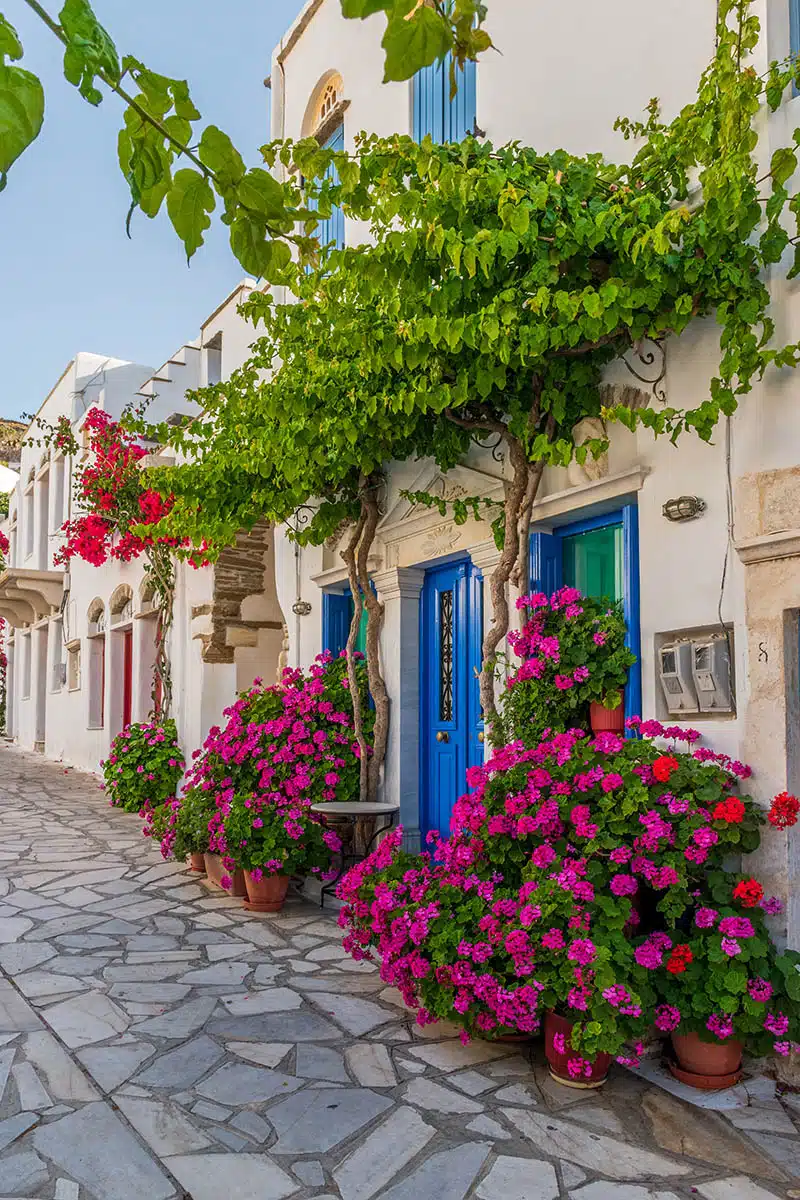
(282, 749)
(585, 874)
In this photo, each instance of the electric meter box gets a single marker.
(711, 671)
(677, 682)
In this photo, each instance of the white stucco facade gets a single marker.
(561, 76)
(68, 629)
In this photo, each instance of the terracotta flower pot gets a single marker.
(215, 871)
(558, 1062)
(708, 1066)
(266, 894)
(197, 862)
(606, 720)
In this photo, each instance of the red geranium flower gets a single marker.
(731, 809)
(783, 811)
(664, 766)
(679, 959)
(748, 892)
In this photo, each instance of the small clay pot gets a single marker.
(266, 894)
(197, 862)
(708, 1066)
(215, 870)
(606, 720)
(557, 1062)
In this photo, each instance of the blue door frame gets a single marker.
(546, 576)
(451, 636)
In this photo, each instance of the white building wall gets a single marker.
(561, 76)
(60, 715)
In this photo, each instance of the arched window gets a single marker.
(121, 605)
(147, 597)
(97, 618)
(324, 120)
(97, 664)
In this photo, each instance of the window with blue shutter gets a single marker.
(332, 228)
(433, 112)
(794, 27)
(337, 613)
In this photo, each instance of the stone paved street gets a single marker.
(158, 1041)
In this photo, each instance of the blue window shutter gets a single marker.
(433, 112)
(545, 565)
(633, 637)
(332, 228)
(337, 611)
(794, 26)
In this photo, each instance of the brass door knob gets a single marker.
(481, 736)
(443, 736)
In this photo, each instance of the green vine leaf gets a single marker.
(190, 200)
(10, 45)
(89, 52)
(21, 114)
(414, 42)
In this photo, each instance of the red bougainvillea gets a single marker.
(109, 491)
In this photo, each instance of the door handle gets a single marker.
(481, 736)
(443, 736)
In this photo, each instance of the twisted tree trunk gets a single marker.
(375, 613)
(349, 556)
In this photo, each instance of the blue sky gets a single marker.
(70, 278)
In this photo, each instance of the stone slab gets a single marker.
(371, 1065)
(317, 1120)
(112, 1065)
(447, 1175)
(87, 1019)
(381, 1156)
(237, 1177)
(353, 1014)
(239, 1083)
(182, 1067)
(98, 1151)
(163, 1126)
(597, 1152)
(425, 1093)
(298, 1026)
(63, 1079)
(270, 999)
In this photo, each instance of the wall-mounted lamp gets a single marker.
(683, 508)
(301, 608)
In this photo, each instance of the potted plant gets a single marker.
(574, 667)
(144, 766)
(723, 987)
(271, 837)
(293, 740)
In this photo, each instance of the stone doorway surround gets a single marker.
(768, 544)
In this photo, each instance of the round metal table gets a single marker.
(353, 811)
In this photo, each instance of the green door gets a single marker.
(592, 562)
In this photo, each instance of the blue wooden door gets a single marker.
(452, 619)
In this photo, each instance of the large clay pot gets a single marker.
(266, 894)
(557, 1062)
(215, 870)
(197, 862)
(708, 1066)
(606, 720)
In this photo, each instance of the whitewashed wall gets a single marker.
(562, 74)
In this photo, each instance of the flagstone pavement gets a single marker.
(157, 1042)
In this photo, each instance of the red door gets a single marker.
(127, 678)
